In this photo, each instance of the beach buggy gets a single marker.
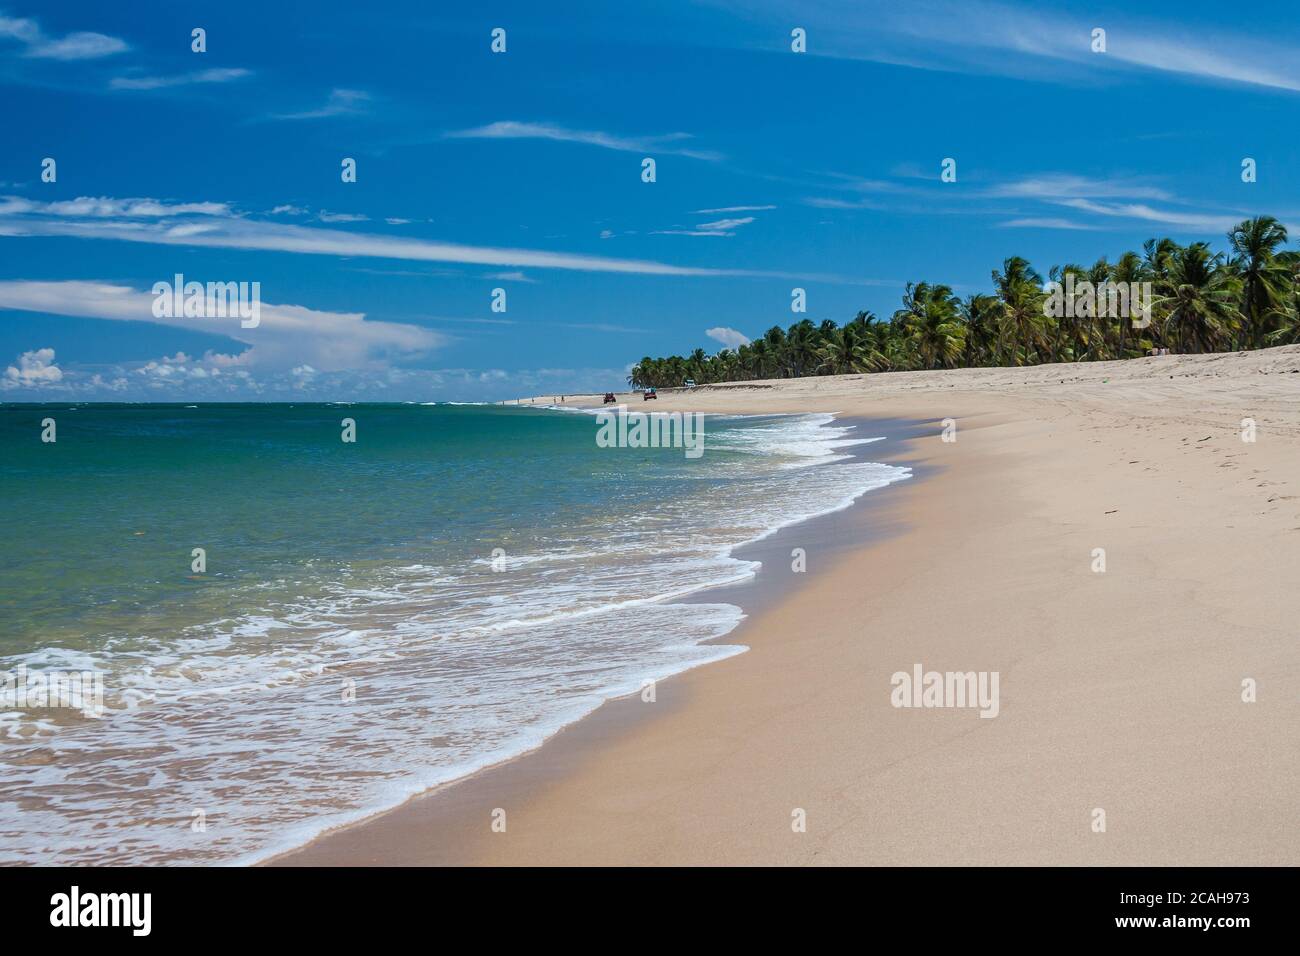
(648, 394)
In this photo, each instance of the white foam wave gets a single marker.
(290, 720)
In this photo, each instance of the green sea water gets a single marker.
(373, 617)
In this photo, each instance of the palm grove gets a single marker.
(1203, 301)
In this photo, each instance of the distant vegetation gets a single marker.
(1202, 301)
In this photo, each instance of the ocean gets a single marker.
(372, 618)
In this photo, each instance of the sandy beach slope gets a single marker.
(1120, 691)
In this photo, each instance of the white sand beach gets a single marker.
(1120, 691)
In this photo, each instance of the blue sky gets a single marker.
(522, 170)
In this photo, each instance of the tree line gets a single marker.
(1246, 297)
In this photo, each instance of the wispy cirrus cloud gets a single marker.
(1053, 186)
(1027, 42)
(326, 216)
(719, 227)
(180, 79)
(81, 45)
(1033, 201)
(1209, 222)
(341, 102)
(669, 143)
(730, 209)
(1044, 186)
(830, 202)
(596, 327)
(1045, 222)
(216, 226)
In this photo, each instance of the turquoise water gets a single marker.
(374, 618)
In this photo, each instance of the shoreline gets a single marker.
(1121, 691)
(749, 595)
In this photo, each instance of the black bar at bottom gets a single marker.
(334, 906)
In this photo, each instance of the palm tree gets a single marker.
(914, 296)
(1288, 332)
(775, 338)
(1203, 303)
(898, 353)
(674, 372)
(1199, 300)
(801, 347)
(934, 329)
(980, 312)
(874, 337)
(1023, 325)
(695, 366)
(1155, 257)
(1098, 325)
(1067, 325)
(843, 353)
(1128, 269)
(723, 367)
(763, 361)
(1264, 280)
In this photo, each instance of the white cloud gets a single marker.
(1049, 192)
(97, 382)
(182, 79)
(205, 379)
(341, 102)
(724, 209)
(1232, 62)
(507, 129)
(81, 45)
(821, 203)
(1046, 222)
(596, 327)
(34, 369)
(720, 227)
(20, 28)
(1066, 185)
(1206, 222)
(959, 36)
(78, 46)
(326, 216)
(104, 207)
(177, 368)
(287, 336)
(728, 337)
(21, 217)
